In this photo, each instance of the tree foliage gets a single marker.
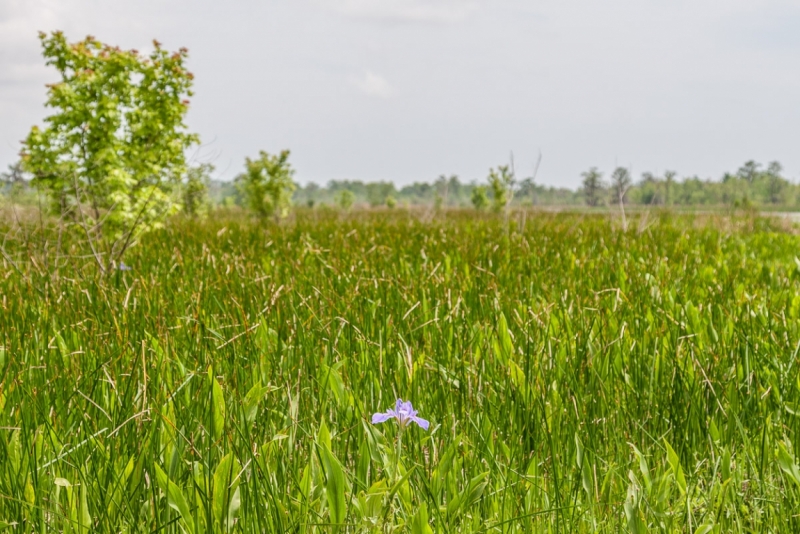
(479, 197)
(267, 185)
(194, 195)
(592, 186)
(501, 182)
(345, 199)
(113, 150)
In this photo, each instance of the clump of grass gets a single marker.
(576, 377)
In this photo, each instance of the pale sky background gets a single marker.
(405, 90)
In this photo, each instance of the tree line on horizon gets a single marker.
(752, 185)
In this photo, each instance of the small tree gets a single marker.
(195, 190)
(479, 197)
(749, 171)
(345, 199)
(775, 182)
(378, 192)
(669, 180)
(592, 186)
(13, 182)
(267, 185)
(620, 183)
(501, 181)
(111, 154)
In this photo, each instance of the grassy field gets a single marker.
(577, 377)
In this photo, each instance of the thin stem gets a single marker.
(397, 455)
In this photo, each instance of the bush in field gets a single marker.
(378, 192)
(345, 199)
(195, 190)
(479, 198)
(112, 152)
(501, 182)
(267, 185)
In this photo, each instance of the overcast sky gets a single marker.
(406, 90)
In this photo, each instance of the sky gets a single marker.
(407, 90)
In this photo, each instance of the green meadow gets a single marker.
(579, 375)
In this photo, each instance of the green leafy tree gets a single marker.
(647, 191)
(345, 199)
(749, 171)
(195, 190)
(775, 182)
(391, 202)
(13, 182)
(501, 182)
(592, 186)
(267, 185)
(113, 151)
(378, 192)
(479, 197)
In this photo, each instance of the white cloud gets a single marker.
(372, 84)
(429, 11)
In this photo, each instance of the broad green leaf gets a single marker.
(787, 464)
(217, 406)
(675, 464)
(419, 522)
(226, 482)
(324, 435)
(503, 346)
(252, 399)
(335, 485)
(578, 451)
(175, 498)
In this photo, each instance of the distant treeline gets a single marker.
(753, 184)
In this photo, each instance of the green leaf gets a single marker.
(252, 399)
(475, 490)
(324, 436)
(787, 464)
(419, 523)
(631, 507)
(725, 468)
(217, 406)
(503, 347)
(675, 464)
(175, 498)
(578, 451)
(335, 485)
(84, 519)
(226, 483)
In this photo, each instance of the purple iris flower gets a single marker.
(123, 267)
(403, 412)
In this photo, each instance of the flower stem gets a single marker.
(397, 455)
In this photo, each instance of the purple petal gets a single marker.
(424, 423)
(406, 408)
(398, 406)
(381, 417)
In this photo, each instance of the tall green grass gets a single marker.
(578, 377)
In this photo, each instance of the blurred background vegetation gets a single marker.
(753, 185)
